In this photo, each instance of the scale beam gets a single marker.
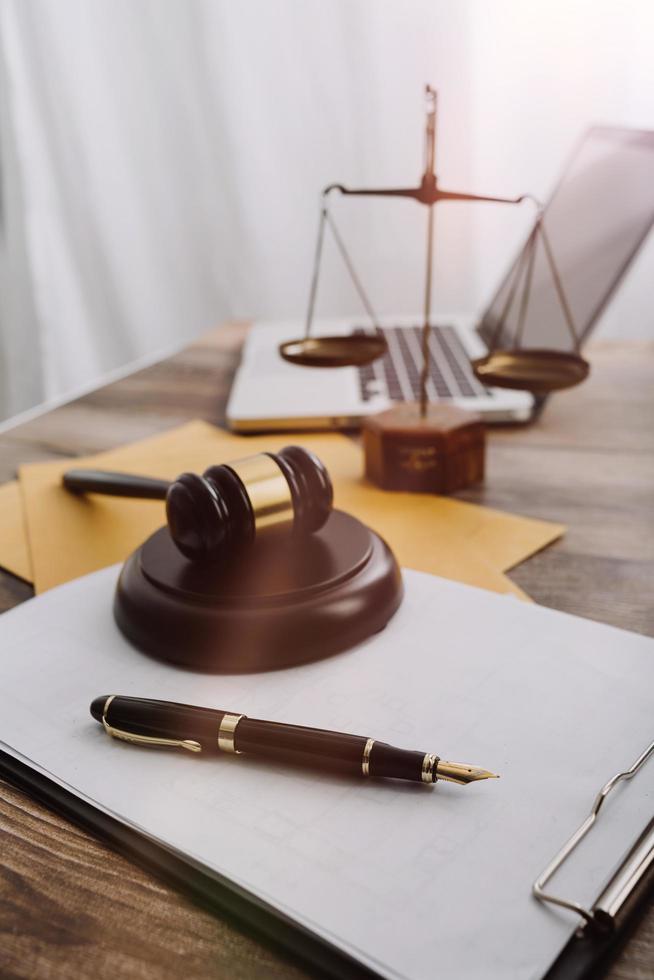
(428, 193)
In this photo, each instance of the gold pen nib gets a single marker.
(459, 772)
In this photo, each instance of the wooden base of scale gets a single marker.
(440, 453)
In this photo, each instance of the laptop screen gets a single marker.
(596, 219)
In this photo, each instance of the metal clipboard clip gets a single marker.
(624, 883)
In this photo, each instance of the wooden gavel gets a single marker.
(230, 505)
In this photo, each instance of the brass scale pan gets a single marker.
(531, 369)
(535, 369)
(353, 350)
(347, 350)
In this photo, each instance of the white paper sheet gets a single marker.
(417, 882)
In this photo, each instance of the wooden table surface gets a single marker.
(69, 906)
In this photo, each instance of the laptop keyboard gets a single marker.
(398, 372)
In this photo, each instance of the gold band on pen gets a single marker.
(268, 490)
(226, 731)
(365, 759)
(429, 763)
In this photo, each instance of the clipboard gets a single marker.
(66, 762)
(606, 924)
(605, 928)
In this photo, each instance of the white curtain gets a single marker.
(162, 160)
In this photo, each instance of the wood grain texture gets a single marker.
(69, 906)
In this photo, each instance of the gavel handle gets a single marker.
(115, 484)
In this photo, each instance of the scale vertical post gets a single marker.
(429, 185)
(424, 374)
(421, 447)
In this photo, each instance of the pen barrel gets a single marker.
(311, 748)
(320, 750)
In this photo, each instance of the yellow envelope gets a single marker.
(70, 536)
(14, 553)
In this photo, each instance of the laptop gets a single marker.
(597, 218)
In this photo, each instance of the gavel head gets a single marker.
(229, 505)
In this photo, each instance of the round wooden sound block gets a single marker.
(285, 601)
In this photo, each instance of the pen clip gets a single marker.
(181, 743)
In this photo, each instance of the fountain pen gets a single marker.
(165, 723)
